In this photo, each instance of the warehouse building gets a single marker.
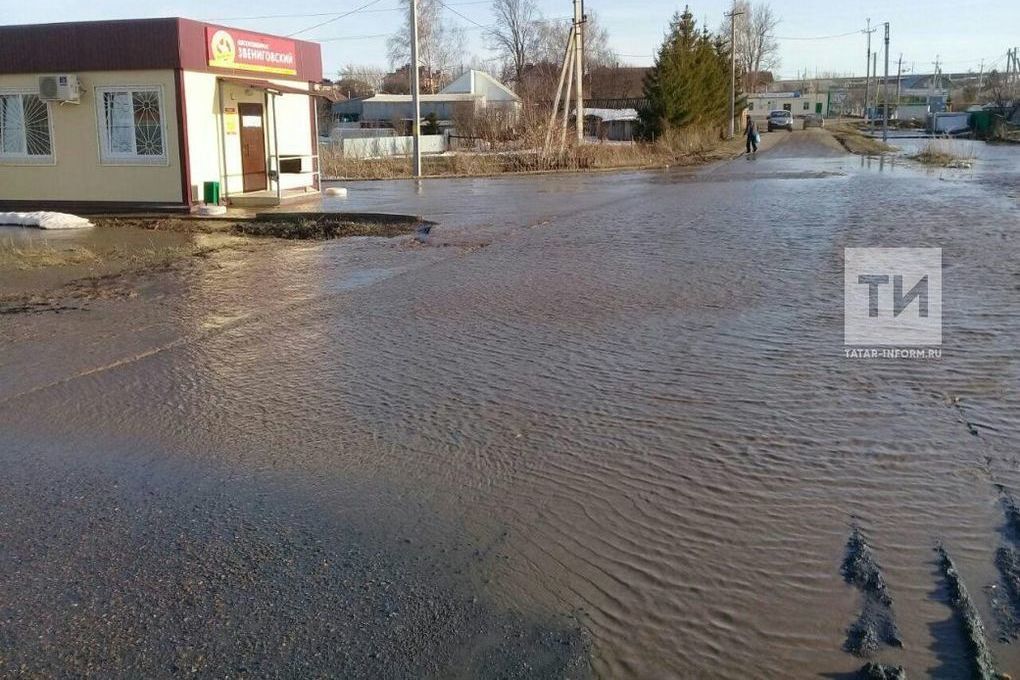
(141, 114)
(798, 103)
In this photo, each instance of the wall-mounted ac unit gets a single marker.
(62, 87)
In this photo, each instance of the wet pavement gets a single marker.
(596, 424)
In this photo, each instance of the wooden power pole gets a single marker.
(572, 74)
(899, 81)
(579, 66)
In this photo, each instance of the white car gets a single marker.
(780, 119)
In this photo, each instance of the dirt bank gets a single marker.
(856, 142)
(43, 272)
(40, 264)
(325, 226)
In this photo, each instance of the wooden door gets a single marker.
(253, 147)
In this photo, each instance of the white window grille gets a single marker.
(131, 126)
(25, 133)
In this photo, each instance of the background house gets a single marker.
(614, 125)
(472, 94)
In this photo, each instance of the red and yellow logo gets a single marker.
(222, 49)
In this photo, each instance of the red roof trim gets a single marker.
(125, 45)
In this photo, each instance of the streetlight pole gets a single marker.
(733, 69)
(885, 89)
(867, 71)
(415, 91)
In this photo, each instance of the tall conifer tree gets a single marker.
(690, 82)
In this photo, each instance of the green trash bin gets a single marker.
(211, 192)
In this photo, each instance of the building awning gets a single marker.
(266, 85)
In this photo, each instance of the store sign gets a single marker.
(244, 51)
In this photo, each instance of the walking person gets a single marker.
(751, 132)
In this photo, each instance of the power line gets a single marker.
(465, 18)
(336, 18)
(352, 37)
(329, 14)
(821, 37)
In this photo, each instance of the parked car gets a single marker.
(813, 120)
(780, 120)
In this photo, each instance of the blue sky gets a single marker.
(962, 32)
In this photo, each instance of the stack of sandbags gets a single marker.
(44, 220)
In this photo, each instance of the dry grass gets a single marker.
(494, 148)
(940, 153)
(856, 142)
(166, 223)
(35, 256)
(44, 254)
(677, 148)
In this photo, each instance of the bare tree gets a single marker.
(440, 43)
(514, 35)
(355, 80)
(552, 42)
(756, 45)
(1004, 93)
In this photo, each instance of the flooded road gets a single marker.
(596, 425)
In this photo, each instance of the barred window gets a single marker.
(25, 128)
(131, 122)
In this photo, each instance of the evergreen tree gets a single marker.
(689, 86)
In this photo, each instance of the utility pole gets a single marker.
(579, 66)
(415, 91)
(733, 14)
(559, 91)
(899, 80)
(867, 70)
(874, 70)
(571, 56)
(885, 89)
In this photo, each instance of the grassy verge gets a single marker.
(856, 142)
(166, 223)
(40, 255)
(685, 147)
(19, 257)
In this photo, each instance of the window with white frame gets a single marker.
(131, 126)
(25, 133)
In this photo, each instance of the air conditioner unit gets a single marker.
(62, 87)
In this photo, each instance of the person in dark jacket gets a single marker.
(751, 132)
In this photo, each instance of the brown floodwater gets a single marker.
(624, 397)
